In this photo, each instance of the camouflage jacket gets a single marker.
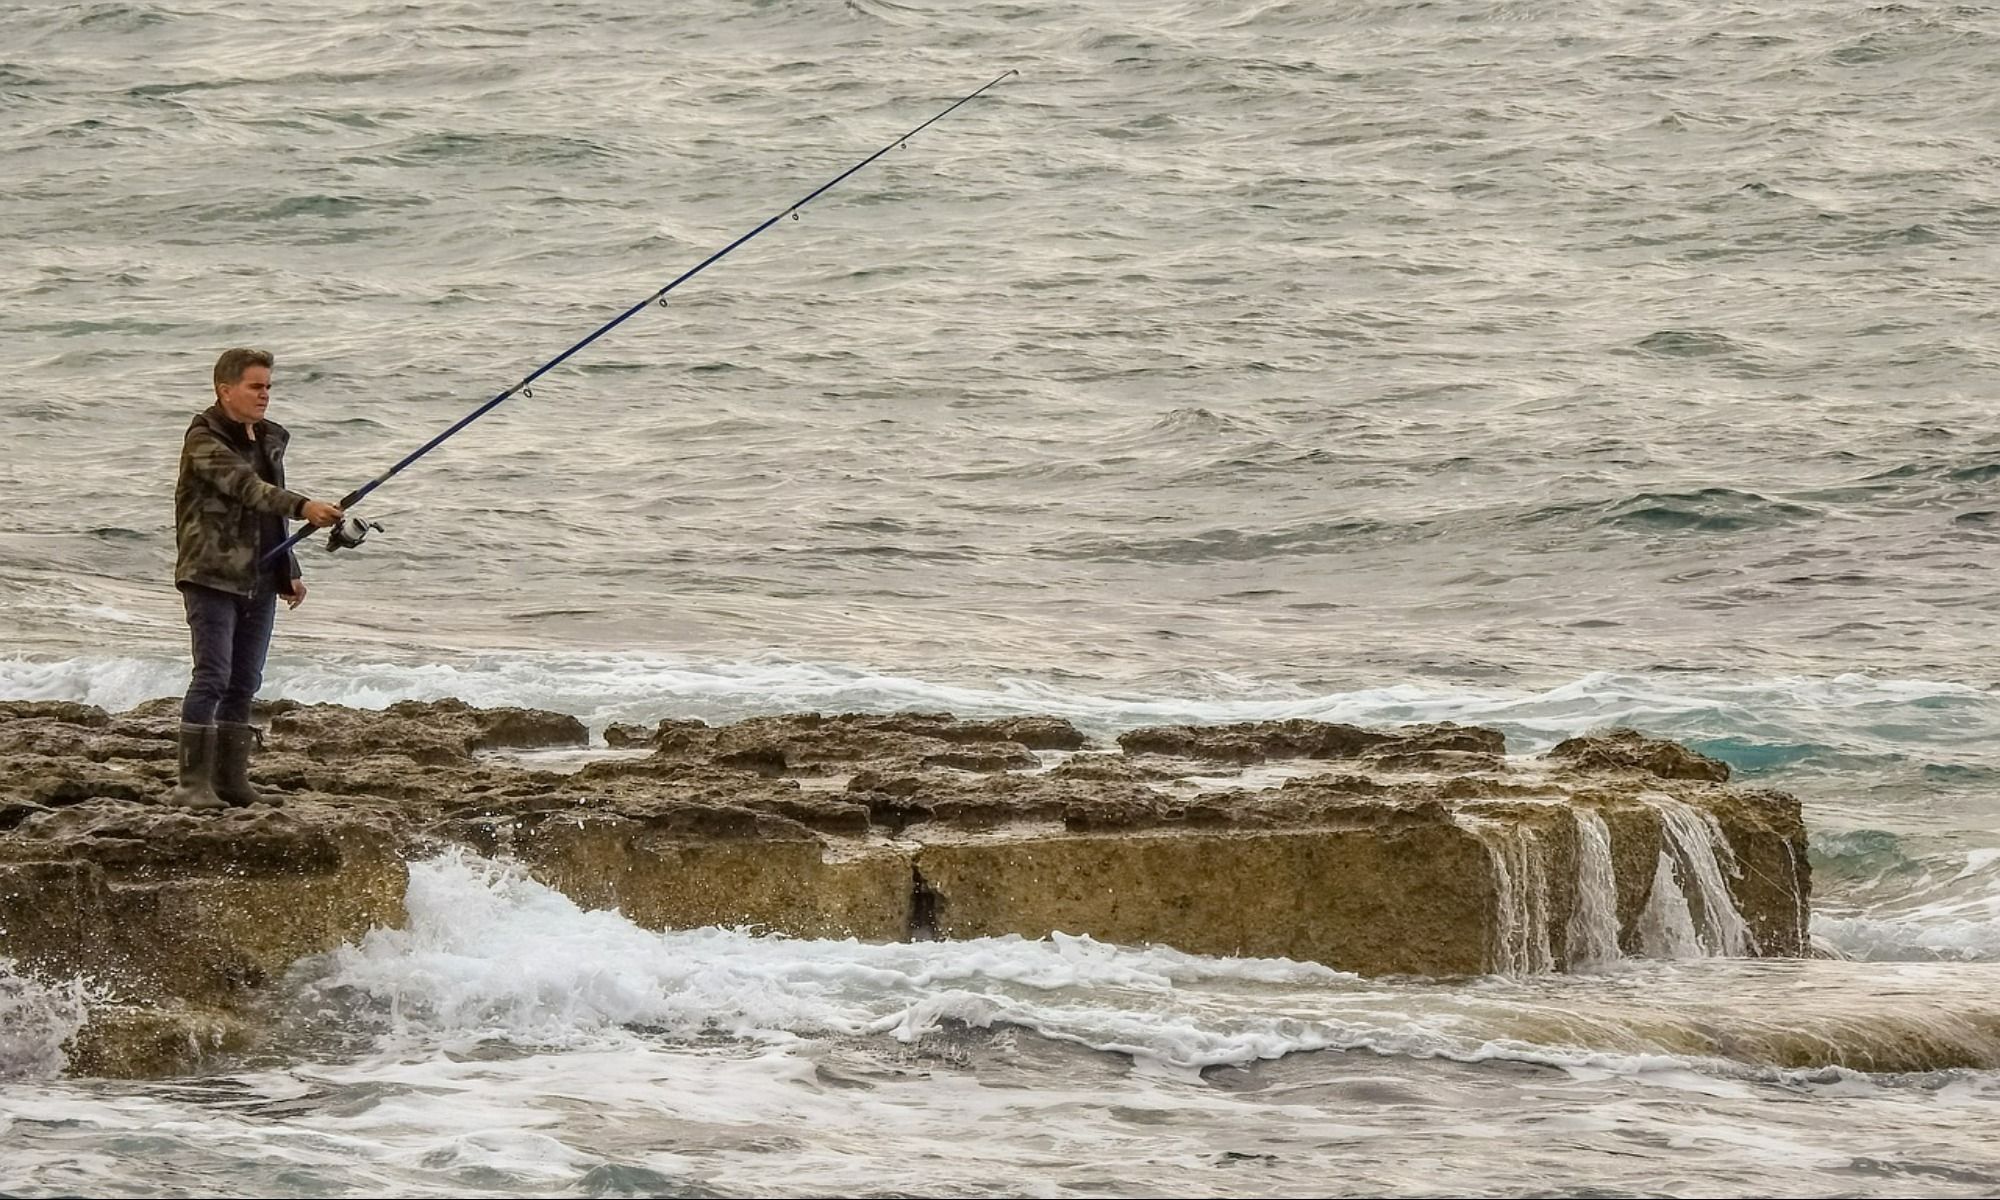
(224, 513)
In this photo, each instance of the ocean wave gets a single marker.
(1704, 510)
(488, 953)
(1228, 545)
(489, 950)
(1885, 901)
(1689, 343)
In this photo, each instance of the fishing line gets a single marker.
(349, 531)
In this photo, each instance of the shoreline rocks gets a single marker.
(1421, 851)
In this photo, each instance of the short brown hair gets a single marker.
(230, 367)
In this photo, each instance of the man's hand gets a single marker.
(295, 593)
(319, 514)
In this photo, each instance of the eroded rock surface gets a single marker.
(1424, 850)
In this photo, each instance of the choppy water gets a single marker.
(1544, 365)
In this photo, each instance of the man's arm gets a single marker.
(226, 472)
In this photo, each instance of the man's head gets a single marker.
(243, 384)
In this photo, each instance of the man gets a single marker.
(230, 510)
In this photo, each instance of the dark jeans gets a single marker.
(231, 637)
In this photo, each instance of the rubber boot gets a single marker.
(232, 766)
(197, 785)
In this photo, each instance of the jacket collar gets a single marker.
(232, 431)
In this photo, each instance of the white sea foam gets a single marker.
(529, 1046)
(36, 1019)
(1911, 937)
(643, 1118)
(1964, 926)
(489, 953)
(1977, 862)
(1936, 913)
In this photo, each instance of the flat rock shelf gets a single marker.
(1423, 850)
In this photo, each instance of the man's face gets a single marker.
(247, 398)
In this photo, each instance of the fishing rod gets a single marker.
(350, 530)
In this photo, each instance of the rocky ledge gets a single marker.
(1424, 850)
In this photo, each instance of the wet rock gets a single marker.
(1338, 896)
(431, 732)
(63, 712)
(183, 921)
(1437, 761)
(1036, 733)
(620, 736)
(1424, 850)
(1107, 767)
(143, 1041)
(53, 789)
(809, 744)
(899, 803)
(1630, 750)
(1261, 741)
(732, 874)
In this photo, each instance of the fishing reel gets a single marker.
(349, 532)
